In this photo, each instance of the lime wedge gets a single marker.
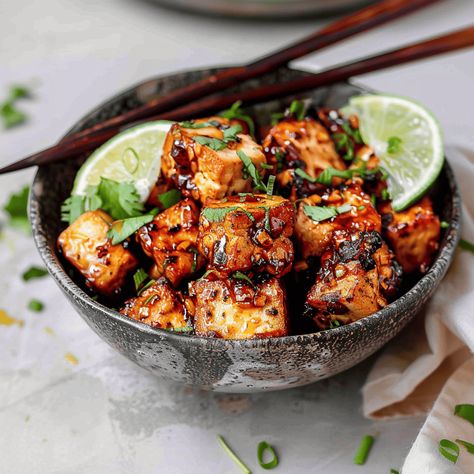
(408, 140)
(133, 155)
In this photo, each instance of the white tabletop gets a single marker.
(104, 414)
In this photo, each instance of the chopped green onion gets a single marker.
(263, 446)
(444, 224)
(364, 449)
(465, 245)
(266, 166)
(34, 272)
(385, 195)
(305, 175)
(465, 411)
(232, 455)
(146, 286)
(361, 208)
(270, 184)
(35, 305)
(181, 329)
(467, 445)
(449, 449)
(139, 278)
(297, 109)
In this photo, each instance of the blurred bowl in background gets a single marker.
(266, 8)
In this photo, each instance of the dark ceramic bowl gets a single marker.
(231, 365)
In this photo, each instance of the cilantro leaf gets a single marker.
(213, 143)
(322, 213)
(238, 275)
(34, 272)
(196, 125)
(124, 228)
(236, 112)
(120, 200)
(169, 198)
(217, 214)
(11, 116)
(16, 208)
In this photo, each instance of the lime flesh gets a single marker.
(417, 159)
(133, 155)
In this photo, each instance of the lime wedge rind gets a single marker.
(418, 163)
(133, 155)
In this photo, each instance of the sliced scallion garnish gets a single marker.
(465, 411)
(449, 449)
(262, 448)
(232, 455)
(364, 449)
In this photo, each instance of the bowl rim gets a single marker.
(67, 284)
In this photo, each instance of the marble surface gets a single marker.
(103, 414)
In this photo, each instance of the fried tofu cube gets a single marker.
(304, 144)
(86, 246)
(204, 166)
(250, 232)
(236, 309)
(413, 234)
(170, 239)
(357, 278)
(314, 237)
(159, 306)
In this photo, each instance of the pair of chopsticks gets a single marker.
(193, 100)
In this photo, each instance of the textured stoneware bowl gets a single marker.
(229, 365)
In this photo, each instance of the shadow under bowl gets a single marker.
(234, 365)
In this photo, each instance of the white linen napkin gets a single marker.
(411, 372)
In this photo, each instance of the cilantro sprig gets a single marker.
(252, 171)
(328, 174)
(9, 113)
(119, 200)
(235, 112)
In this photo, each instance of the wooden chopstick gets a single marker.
(453, 41)
(357, 22)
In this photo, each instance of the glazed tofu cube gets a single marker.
(86, 246)
(357, 278)
(170, 239)
(304, 144)
(235, 309)
(250, 232)
(314, 237)
(413, 234)
(203, 162)
(159, 306)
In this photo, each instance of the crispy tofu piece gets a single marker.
(357, 278)
(235, 309)
(304, 144)
(86, 246)
(159, 306)
(250, 232)
(413, 234)
(315, 237)
(202, 172)
(170, 239)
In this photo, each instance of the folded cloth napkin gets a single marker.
(411, 372)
